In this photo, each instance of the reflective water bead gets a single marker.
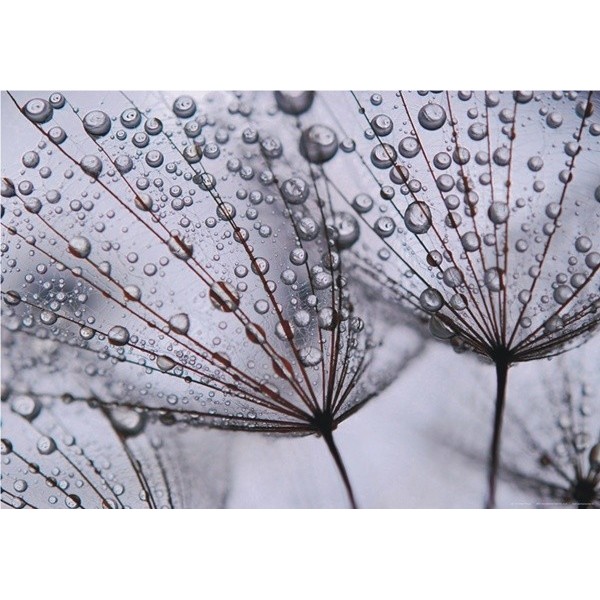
(131, 118)
(384, 226)
(184, 107)
(224, 297)
(96, 123)
(431, 300)
(432, 116)
(362, 203)
(295, 190)
(38, 110)
(417, 217)
(294, 103)
(80, 247)
(318, 144)
(118, 335)
(382, 125)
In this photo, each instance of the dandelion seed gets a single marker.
(201, 206)
(484, 175)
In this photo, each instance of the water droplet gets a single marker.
(80, 247)
(57, 100)
(271, 147)
(131, 118)
(501, 156)
(224, 297)
(553, 324)
(308, 229)
(118, 336)
(91, 165)
(409, 147)
(46, 445)
(583, 244)
(383, 156)
(294, 103)
(592, 260)
(347, 228)
(12, 298)
(384, 227)
(73, 501)
(38, 110)
(184, 107)
(432, 116)
(96, 123)
(165, 364)
(87, 333)
(48, 318)
(498, 212)
(310, 356)
(154, 158)
(20, 485)
(30, 159)
(180, 323)
(431, 300)
(382, 125)
(477, 131)
(554, 120)
(453, 277)
(295, 190)
(180, 248)
(255, 333)
(470, 241)
(298, 256)
(57, 135)
(318, 144)
(32, 204)
(492, 279)
(8, 188)
(417, 217)
(5, 446)
(153, 126)
(562, 294)
(26, 406)
(442, 160)
(363, 203)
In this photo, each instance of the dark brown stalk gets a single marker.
(502, 365)
(328, 437)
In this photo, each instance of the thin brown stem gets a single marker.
(328, 437)
(502, 365)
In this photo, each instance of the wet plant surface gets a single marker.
(265, 262)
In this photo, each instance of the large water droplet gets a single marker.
(318, 144)
(382, 125)
(348, 230)
(384, 226)
(46, 445)
(492, 279)
(118, 336)
(409, 147)
(131, 118)
(294, 103)
(91, 165)
(295, 190)
(431, 300)
(417, 217)
(38, 110)
(310, 356)
(96, 123)
(180, 323)
(80, 246)
(432, 116)
(498, 212)
(224, 297)
(184, 107)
